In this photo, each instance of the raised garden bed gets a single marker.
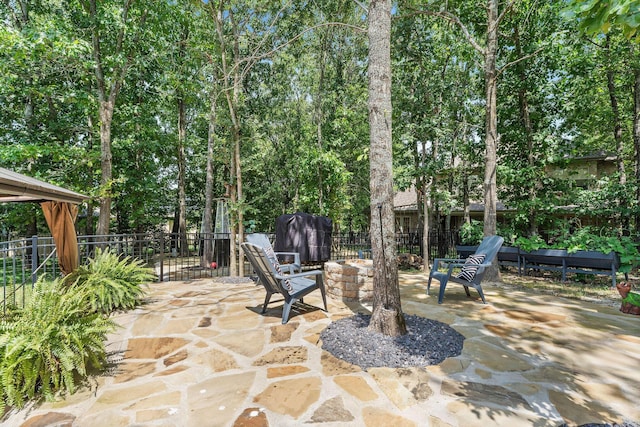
(558, 260)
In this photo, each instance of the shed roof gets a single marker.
(15, 187)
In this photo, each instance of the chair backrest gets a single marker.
(259, 239)
(264, 267)
(489, 246)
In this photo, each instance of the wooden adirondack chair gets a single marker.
(260, 239)
(293, 287)
(471, 270)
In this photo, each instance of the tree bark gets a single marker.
(615, 110)
(106, 166)
(426, 224)
(181, 158)
(207, 220)
(182, 195)
(107, 94)
(491, 136)
(237, 136)
(617, 132)
(319, 114)
(525, 118)
(232, 85)
(387, 316)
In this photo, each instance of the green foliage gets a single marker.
(599, 15)
(532, 243)
(508, 233)
(588, 239)
(471, 233)
(112, 283)
(44, 346)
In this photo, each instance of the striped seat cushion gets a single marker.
(470, 267)
(273, 258)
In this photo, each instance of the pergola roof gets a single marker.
(15, 187)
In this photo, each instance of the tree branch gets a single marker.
(523, 58)
(254, 58)
(453, 18)
(504, 12)
(359, 3)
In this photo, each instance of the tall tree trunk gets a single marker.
(319, 115)
(232, 86)
(207, 220)
(426, 224)
(491, 136)
(106, 99)
(426, 191)
(466, 213)
(237, 137)
(424, 203)
(89, 225)
(240, 199)
(387, 317)
(525, 118)
(615, 110)
(180, 157)
(106, 115)
(617, 132)
(107, 94)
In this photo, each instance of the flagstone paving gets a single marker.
(200, 354)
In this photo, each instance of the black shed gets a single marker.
(309, 235)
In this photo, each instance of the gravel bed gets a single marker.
(428, 342)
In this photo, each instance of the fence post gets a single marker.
(34, 258)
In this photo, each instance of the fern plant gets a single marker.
(48, 343)
(113, 283)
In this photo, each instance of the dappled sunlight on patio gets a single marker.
(200, 353)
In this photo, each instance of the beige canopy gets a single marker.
(58, 205)
(15, 187)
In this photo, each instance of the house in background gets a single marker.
(583, 171)
(405, 206)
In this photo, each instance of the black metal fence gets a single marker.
(174, 256)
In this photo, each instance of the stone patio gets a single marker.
(201, 354)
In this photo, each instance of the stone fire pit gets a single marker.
(350, 280)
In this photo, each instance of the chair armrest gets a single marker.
(461, 264)
(289, 268)
(293, 276)
(481, 268)
(450, 261)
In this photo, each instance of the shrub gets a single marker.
(471, 233)
(532, 243)
(44, 346)
(114, 283)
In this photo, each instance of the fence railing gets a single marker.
(174, 256)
